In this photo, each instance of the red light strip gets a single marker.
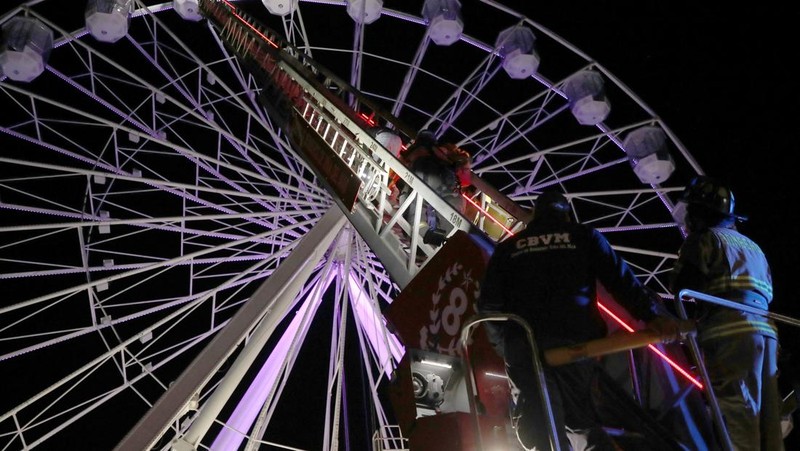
(671, 362)
(367, 119)
(241, 19)
(485, 213)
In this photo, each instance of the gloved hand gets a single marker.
(669, 329)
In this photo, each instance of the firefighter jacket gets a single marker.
(722, 262)
(548, 275)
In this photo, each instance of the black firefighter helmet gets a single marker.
(712, 195)
(706, 203)
(552, 205)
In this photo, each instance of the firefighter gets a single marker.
(548, 275)
(740, 349)
(443, 167)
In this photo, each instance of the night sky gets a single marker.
(719, 79)
(718, 75)
(722, 80)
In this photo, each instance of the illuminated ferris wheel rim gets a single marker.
(411, 18)
(317, 202)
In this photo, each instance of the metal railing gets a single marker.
(688, 339)
(474, 402)
(390, 438)
(686, 295)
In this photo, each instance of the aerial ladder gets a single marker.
(342, 146)
(437, 394)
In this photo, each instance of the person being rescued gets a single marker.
(445, 168)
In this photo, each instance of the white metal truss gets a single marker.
(146, 195)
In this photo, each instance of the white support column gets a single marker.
(270, 299)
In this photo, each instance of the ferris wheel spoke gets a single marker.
(148, 195)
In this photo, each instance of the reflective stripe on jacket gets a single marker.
(724, 263)
(724, 324)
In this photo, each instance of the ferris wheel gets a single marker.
(147, 197)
